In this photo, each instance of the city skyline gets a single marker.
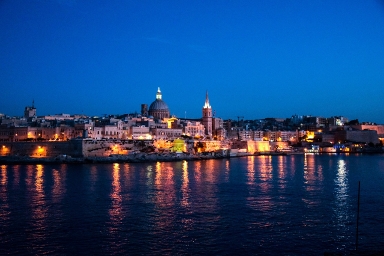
(256, 59)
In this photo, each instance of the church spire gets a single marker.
(206, 105)
(158, 94)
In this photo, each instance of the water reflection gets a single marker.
(4, 207)
(262, 198)
(210, 175)
(251, 169)
(227, 168)
(29, 179)
(252, 193)
(150, 174)
(59, 189)
(185, 186)
(309, 162)
(164, 196)
(197, 171)
(313, 173)
(126, 175)
(177, 207)
(4, 177)
(292, 168)
(187, 219)
(16, 175)
(309, 169)
(281, 166)
(115, 212)
(265, 168)
(93, 178)
(341, 193)
(38, 206)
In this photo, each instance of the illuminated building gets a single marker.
(207, 116)
(194, 129)
(158, 109)
(166, 133)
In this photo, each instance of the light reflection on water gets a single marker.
(164, 197)
(185, 186)
(265, 184)
(4, 176)
(251, 169)
(116, 212)
(38, 209)
(281, 166)
(4, 207)
(227, 170)
(251, 205)
(341, 193)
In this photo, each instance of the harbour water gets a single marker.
(261, 205)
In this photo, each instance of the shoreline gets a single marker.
(147, 158)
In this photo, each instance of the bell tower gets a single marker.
(207, 116)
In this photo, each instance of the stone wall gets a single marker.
(71, 148)
(103, 148)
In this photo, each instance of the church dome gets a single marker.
(159, 109)
(158, 104)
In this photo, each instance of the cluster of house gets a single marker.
(318, 130)
(156, 124)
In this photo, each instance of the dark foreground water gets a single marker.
(262, 205)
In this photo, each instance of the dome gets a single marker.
(158, 105)
(158, 109)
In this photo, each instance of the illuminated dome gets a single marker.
(158, 109)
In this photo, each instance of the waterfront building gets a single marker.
(258, 135)
(221, 134)
(96, 133)
(159, 109)
(139, 133)
(371, 126)
(288, 136)
(194, 129)
(358, 136)
(207, 116)
(166, 133)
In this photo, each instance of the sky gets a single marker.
(256, 58)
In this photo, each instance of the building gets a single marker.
(158, 109)
(166, 133)
(207, 116)
(194, 129)
(356, 136)
(30, 112)
(139, 133)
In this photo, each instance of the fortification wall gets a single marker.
(101, 148)
(258, 146)
(71, 148)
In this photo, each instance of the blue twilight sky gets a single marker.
(257, 59)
